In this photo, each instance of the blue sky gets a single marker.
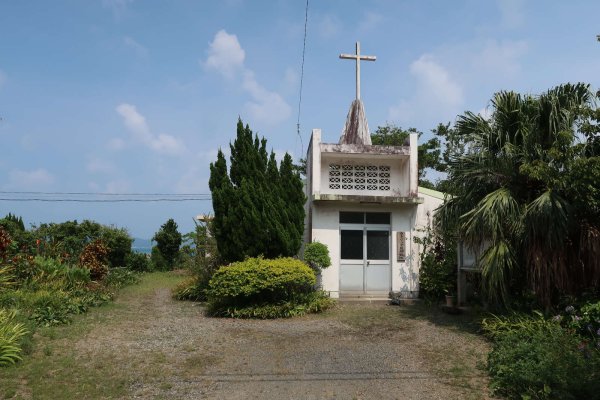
(123, 96)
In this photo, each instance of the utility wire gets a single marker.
(302, 77)
(104, 200)
(108, 194)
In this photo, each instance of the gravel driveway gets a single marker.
(167, 349)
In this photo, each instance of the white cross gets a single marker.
(358, 57)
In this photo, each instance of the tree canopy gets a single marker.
(526, 191)
(258, 205)
(168, 240)
(428, 152)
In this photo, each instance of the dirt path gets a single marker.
(148, 346)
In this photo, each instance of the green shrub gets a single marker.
(158, 262)
(138, 262)
(121, 277)
(11, 333)
(301, 304)
(189, 289)
(534, 358)
(316, 255)
(258, 280)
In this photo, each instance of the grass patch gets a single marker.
(56, 367)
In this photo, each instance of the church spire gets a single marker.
(356, 130)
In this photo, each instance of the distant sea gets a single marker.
(142, 245)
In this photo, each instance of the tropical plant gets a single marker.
(525, 193)
(10, 335)
(93, 258)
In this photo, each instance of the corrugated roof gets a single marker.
(432, 193)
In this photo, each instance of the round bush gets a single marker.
(258, 280)
(317, 256)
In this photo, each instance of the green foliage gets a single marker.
(259, 207)
(525, 192)
(121, 277)
(10, 334)
(200, 257)
(437, 273)
(189, 289)
(157, 261)
(168, 240)
(299, 305)
(316, 255)
(258, 279)
(273, 286)
(138, 262)
(534, 358)
(428, 152)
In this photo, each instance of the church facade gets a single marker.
(364, 203)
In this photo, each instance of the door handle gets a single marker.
(368, 262)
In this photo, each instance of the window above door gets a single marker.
(378, 218)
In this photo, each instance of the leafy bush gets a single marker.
(93, 257)
(258, 280)
(168, 240)
(157, 261)
(317, 256)
(120, 277)
(10, 335)
(138, 262)
(437, 273)
(535, 358)
(189, 289)
(301, 304)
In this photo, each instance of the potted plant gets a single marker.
(450, 298)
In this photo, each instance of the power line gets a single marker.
(302, 76)
(104, 200)
(107, 194)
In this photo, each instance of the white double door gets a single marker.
(365, 262)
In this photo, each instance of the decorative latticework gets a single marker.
(359, 177)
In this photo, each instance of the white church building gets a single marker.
(364, 203)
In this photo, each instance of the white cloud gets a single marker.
(329, 26)
(511, 12)
(135, 46)
(137, 126)
(268, 107)
(33, 179)
(501, 57)
(371, 21)
(437, 94)
(118, 7)
(98, 165)
(225, 55)
(2, 78)
(435, 81)
(116, 144)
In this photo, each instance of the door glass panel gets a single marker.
(352, 245)
(378, 218)
(378, 245)
(352, 217)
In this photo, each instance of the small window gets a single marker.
(352, 218)
(378, 218)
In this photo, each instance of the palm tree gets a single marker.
(521, 194)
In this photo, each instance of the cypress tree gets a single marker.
(253, 213)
